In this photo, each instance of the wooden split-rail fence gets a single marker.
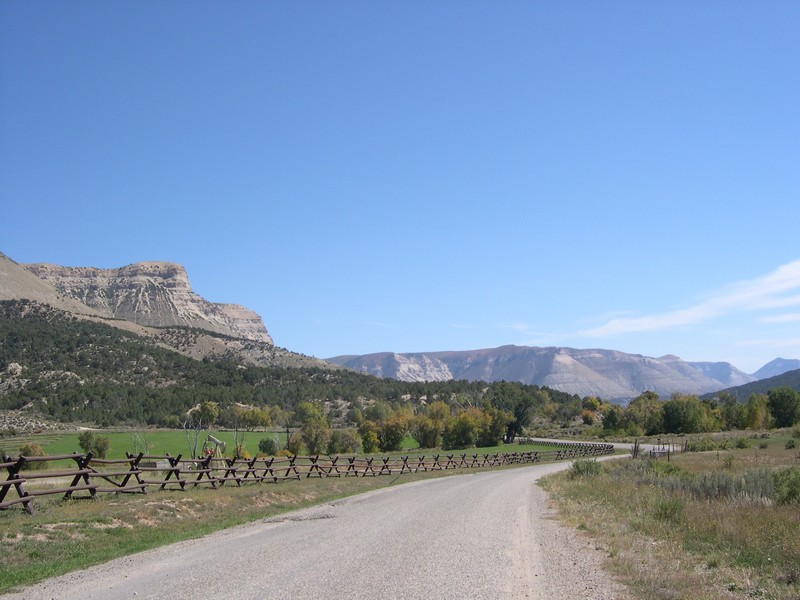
(86, 476)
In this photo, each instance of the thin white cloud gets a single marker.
(771, 343)
(463, 326)
(786, 318)
(774, 290)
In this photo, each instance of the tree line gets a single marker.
(647, 414)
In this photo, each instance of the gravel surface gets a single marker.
(481, 536)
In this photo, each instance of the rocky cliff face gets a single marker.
(152, 294)
(608, 374)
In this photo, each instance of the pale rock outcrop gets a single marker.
(152, 294)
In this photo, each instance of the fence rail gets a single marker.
(87, 476)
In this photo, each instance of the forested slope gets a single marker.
(79, 370)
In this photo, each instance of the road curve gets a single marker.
(473, 536)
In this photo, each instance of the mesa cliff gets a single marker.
(151, 294)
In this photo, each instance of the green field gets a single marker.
(151, 441)
(174, 441)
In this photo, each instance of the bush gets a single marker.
(663, 469)
(742, 443)
(32, 450)
(268, 446)
(787, 486)
(463, 430)
(295, 444)
(668, 509)
(369, 436)
(426, 431)
(344, 441)
(391, 433)
(704, 444)
(98, 446)
(753, 485)
(585, 468)
(791, 444)
(316, 435)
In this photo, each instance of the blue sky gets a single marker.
(421, 176)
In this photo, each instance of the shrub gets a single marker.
(32, 450)
(391, 433)
(753, 485)
(704, 444)
(316, 434)
(585, 468)
(742, 443)
(791, 444)
(268, 446)
(471, 427)
(426, 431)
(662, 468)
(668, 509)
(98, 446)
(370, 442)
(787, 486)
(295, 444)
(369, 436)
(344, 441)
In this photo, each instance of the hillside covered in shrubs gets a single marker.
(82, 371)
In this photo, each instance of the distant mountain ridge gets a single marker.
(790, 379)
(154, 299)
(779, 366)
(609, 374)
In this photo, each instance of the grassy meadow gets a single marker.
(150, 441)
(705, 525)
(158, 442)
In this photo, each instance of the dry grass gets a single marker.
(667, 543)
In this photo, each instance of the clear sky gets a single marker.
(422, 176)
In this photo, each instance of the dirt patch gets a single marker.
(21, 537)
(114, 524)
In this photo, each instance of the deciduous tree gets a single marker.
(784, 406)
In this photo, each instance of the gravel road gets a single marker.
(484, 535)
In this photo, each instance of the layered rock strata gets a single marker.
(152, 294)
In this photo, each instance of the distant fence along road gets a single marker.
(86, 476)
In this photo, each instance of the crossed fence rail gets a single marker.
(87, 476)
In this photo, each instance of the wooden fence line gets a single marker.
(138, 472)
